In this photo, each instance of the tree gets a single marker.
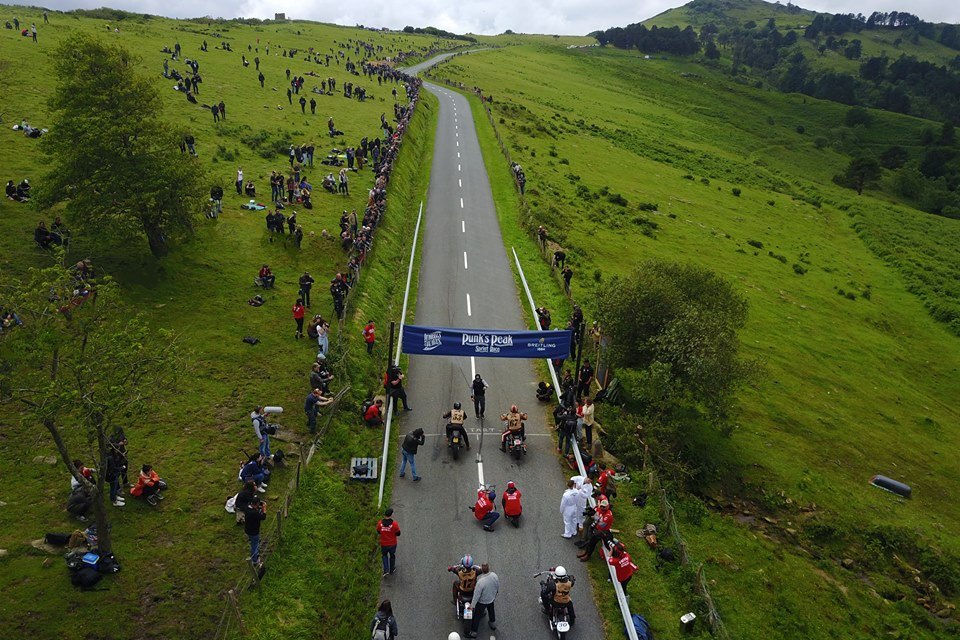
(857, 116)
(894, 157)
(859, 173)
(80, 366)
(113, 159)
(678, 324)
(711, 52)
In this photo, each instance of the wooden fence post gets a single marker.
(256, 576)
(232, 596)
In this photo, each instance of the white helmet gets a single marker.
(560, 572)
(453, 636)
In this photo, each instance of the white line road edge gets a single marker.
(621, 597)
(396, 359)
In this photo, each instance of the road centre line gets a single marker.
(463, 226)
(458, 167)
(461, 203)
(458, 143)
(465, 260)
(460, 180)
(469, 312)
(458, 154)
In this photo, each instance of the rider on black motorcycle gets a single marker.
(555, 593)
(456, 416)
(515, 425)
(467, 574)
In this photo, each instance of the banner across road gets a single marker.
(485, 343)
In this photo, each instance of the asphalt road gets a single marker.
(465, 280)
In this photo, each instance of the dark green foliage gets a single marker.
(654, 40)
(755, 243)
(859, 173)
(777, 256)
(678, 325)
(799, 269)
(113, 158)
(857, 116)
(801, 129)
(736, 191)
(894, 157)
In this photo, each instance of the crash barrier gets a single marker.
(231, 620)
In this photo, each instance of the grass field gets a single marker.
(177, 558)
(859, 378)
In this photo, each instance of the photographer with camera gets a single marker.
(255, 513)
(260, 430)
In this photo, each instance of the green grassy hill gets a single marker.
(628, 159)
(176, 559)
(731, 13)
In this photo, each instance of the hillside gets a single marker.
(178, 557)
(732, 13)
(629, 158)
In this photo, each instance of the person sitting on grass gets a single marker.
(9, 320)
(149, 486)
(250, 189)
(42, 236)
(12, 193)
(266, 277)
(373, 417)
(256, 472)
(59, 229)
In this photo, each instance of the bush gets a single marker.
(771, 202)
(777, 256)
(564, 161)
(755, 243)
(820, 142)
(800, 129)
(799, 269)
(616, 198)
(705, 181)
(736, 191)
(647, 206)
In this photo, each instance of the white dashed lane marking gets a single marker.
(465, 260)
(459, 180)
(461, 203)
(469, 313)
(463, 226)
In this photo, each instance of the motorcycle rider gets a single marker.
(515, 426)
(510, 500)
(555, 593)
(456, 416)
(467, 575)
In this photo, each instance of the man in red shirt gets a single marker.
(373, 416)
(370, 335)
(621, 561)
(602, 529)
(603, 481)
(485, 510)
(388, 530)
(511, 504)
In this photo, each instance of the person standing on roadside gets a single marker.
(478, 391)
(569, 505)
(306, 283)
(384, 625)
(484, 595)
(298, 312)
(370, 335)
(411, 442)
(621, 561)
(260, 431)
(311, 407)
(389, 531)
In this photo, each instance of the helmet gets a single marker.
(604, 503)
(467, 561)
(513, 408)
(456, 405)
(560, 572)
(453, 636)
(511, 485)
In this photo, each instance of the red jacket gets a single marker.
(388, 530)
(624, 566)
(604, 521)
(144, 482)
(372, 413)
(483, 506)
(511, 502)
(298, 311)
(369, 333)
(604, 479)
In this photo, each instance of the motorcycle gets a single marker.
(465, 611)
(515, 445)
(456, 443)
(558, 618)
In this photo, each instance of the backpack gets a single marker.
(382, 630)
(86, 578)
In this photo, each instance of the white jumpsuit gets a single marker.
(569, 511)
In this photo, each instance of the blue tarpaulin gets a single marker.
(486, 343)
